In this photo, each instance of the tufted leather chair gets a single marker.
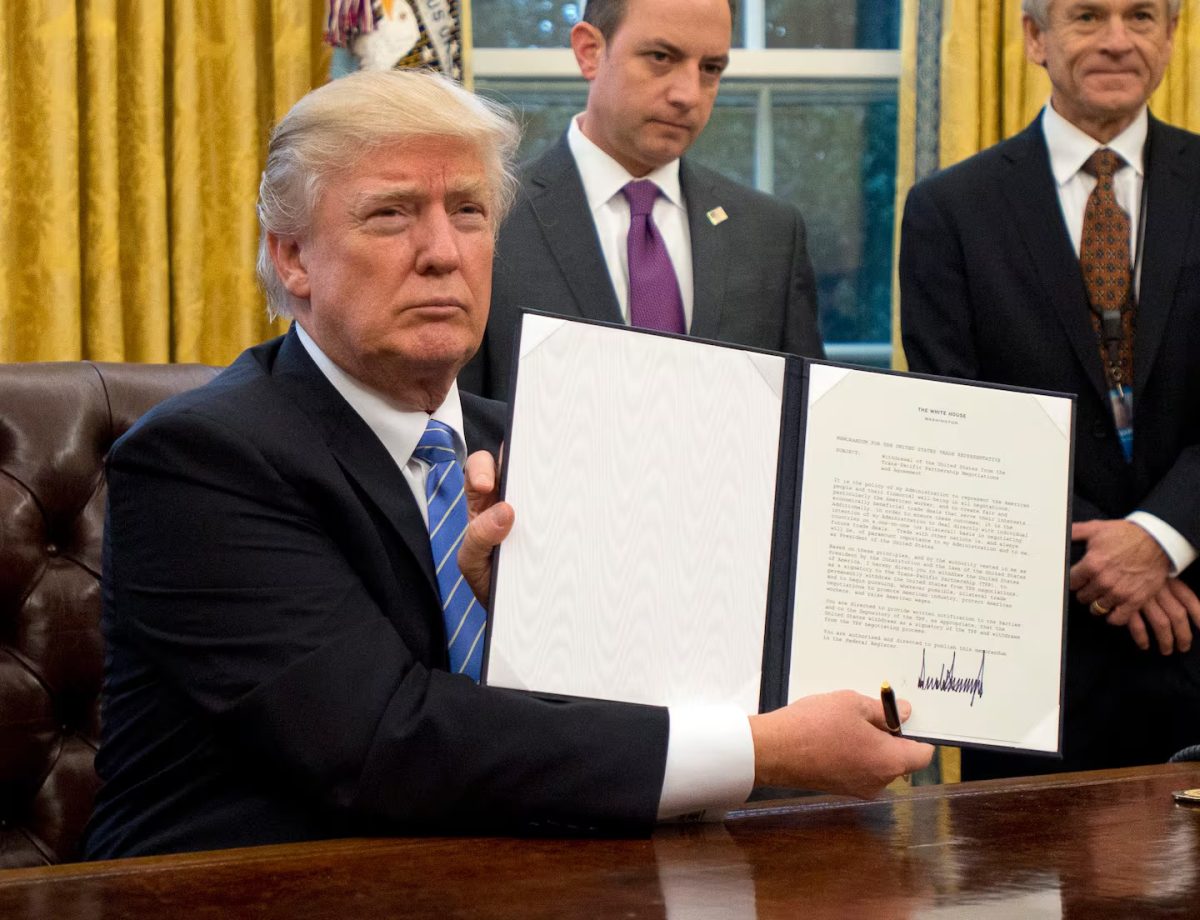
(57, 422)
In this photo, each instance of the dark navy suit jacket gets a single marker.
(275, 663)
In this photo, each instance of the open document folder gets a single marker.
(698, 522)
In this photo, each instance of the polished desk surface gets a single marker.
(1104, 844)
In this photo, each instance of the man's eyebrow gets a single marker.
(661, 44)
(457, 187)
(467, 185)
(392, 193)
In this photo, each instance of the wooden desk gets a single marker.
(1106, 844)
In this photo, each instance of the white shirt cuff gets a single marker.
(710, 760)
(1173, 543)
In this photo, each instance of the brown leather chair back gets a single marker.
(57, 422)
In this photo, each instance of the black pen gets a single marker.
(891, 715)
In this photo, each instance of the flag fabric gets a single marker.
(394, 34)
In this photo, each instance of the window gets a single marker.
(807, 111)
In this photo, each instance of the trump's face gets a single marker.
(1104, 59)
(654, 82)
(393, 279)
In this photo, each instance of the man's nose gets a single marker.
(684, 89)
(436, 243)
(1116, 37)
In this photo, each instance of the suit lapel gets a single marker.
(710, 265)
(1171, 189)
(1033, 197)
(357, 450)
(477, 433)
(565, 221)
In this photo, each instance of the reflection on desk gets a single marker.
(1104, 844)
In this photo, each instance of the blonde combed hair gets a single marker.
(333, 126)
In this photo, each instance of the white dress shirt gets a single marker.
(398, 429)
(1069, 149)
(710, 753)
(603, 178)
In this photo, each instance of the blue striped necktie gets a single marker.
(447, 504)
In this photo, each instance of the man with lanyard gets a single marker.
(1068, 258)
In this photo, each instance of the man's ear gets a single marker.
(588, 45)
(287, 255)
(1034, 48)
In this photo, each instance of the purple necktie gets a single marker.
(654, 298)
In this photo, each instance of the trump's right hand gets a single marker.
(490, 521)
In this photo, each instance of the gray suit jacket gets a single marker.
(751, 272)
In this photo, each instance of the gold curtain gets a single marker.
(129, 168)
(965, 85)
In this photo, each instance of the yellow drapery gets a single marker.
(983, 90)
(129, 167)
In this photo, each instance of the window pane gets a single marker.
(727, 144)
(834, 154)
(835, 157)
(539, 23)
(523, 23)
(833, 23)
(789, 23)
(543, 111)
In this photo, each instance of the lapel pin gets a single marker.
(717, 215)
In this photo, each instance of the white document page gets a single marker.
(932, 552)
(642, 472)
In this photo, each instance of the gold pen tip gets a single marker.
(884, 687)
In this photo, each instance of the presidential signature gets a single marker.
(948, 683)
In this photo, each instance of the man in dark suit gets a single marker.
(290, 579)
(739, 256)
(1035, 264)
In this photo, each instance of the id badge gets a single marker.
(1121, 400)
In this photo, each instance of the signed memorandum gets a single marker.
(931, 552)
(700, 523)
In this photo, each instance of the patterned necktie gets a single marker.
(654, 298)
(447, 503)
(1108, 276)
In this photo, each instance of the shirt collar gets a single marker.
(603, 177)
(399, 429)
(1070, 147)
